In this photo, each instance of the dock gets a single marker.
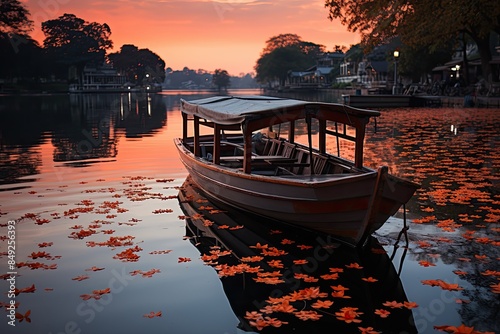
(377, 101)
(401, 101)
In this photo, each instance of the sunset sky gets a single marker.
(201, 34)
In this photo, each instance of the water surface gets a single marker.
(92, 183)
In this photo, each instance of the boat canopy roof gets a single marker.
(229, 110)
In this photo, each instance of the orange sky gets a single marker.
(201, 34)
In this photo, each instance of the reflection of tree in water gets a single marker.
(474, 255)
(141, 114)
(23, 122)
(18, 162)
(89, 133)
(94, 117)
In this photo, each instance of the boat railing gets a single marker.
(276, 157)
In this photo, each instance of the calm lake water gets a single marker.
(89, 189)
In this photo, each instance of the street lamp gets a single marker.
(395, 89)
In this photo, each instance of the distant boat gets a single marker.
(243, 162)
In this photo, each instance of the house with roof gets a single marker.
(317, 76)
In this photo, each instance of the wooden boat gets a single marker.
(242, 161)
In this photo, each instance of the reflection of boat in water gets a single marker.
(283, 179)
(281, 273)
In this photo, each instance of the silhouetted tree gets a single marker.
(278, 63)
(285, 53)
(14, 18)
(21, 55)
(221, 79)
(70, 40)
(138, 64)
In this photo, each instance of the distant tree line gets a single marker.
(201, 79)
(72, 43)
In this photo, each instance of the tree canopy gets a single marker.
(72, 40)
(420, 23)
(137, 64)
(221, 79)
(283, 53)
(14, 18)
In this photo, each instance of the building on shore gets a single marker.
(99, 78)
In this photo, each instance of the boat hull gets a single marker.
(348, 206)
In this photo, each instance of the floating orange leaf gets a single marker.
(383, 313)
(275, 263)
(322, 304)
(308, 315)
(253, 315)
(368, 330)
(153, 314)
(148, 273)
(29, 289)
(443, 285)
(369, 279)
(349, 314)
(21, 317)
(332, 276)
(393, 304)
(424, 263)
(410, 305)
(94, 268)
(462, 329)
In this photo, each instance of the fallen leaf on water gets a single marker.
(153, 314)
(253, 315)
(166, 251)
(94, 268)
(462, 329)
(20, 317)
(45, 244)
(410, 305)
(308, 315)
(393, 304)
(148, 273)
(368, 330)
(370, 279)
(424, 263)
(443, 285)
(29, 289)
(383, 313)
(158, 211)
(102, 292)
(322, 304)
(349, 314)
